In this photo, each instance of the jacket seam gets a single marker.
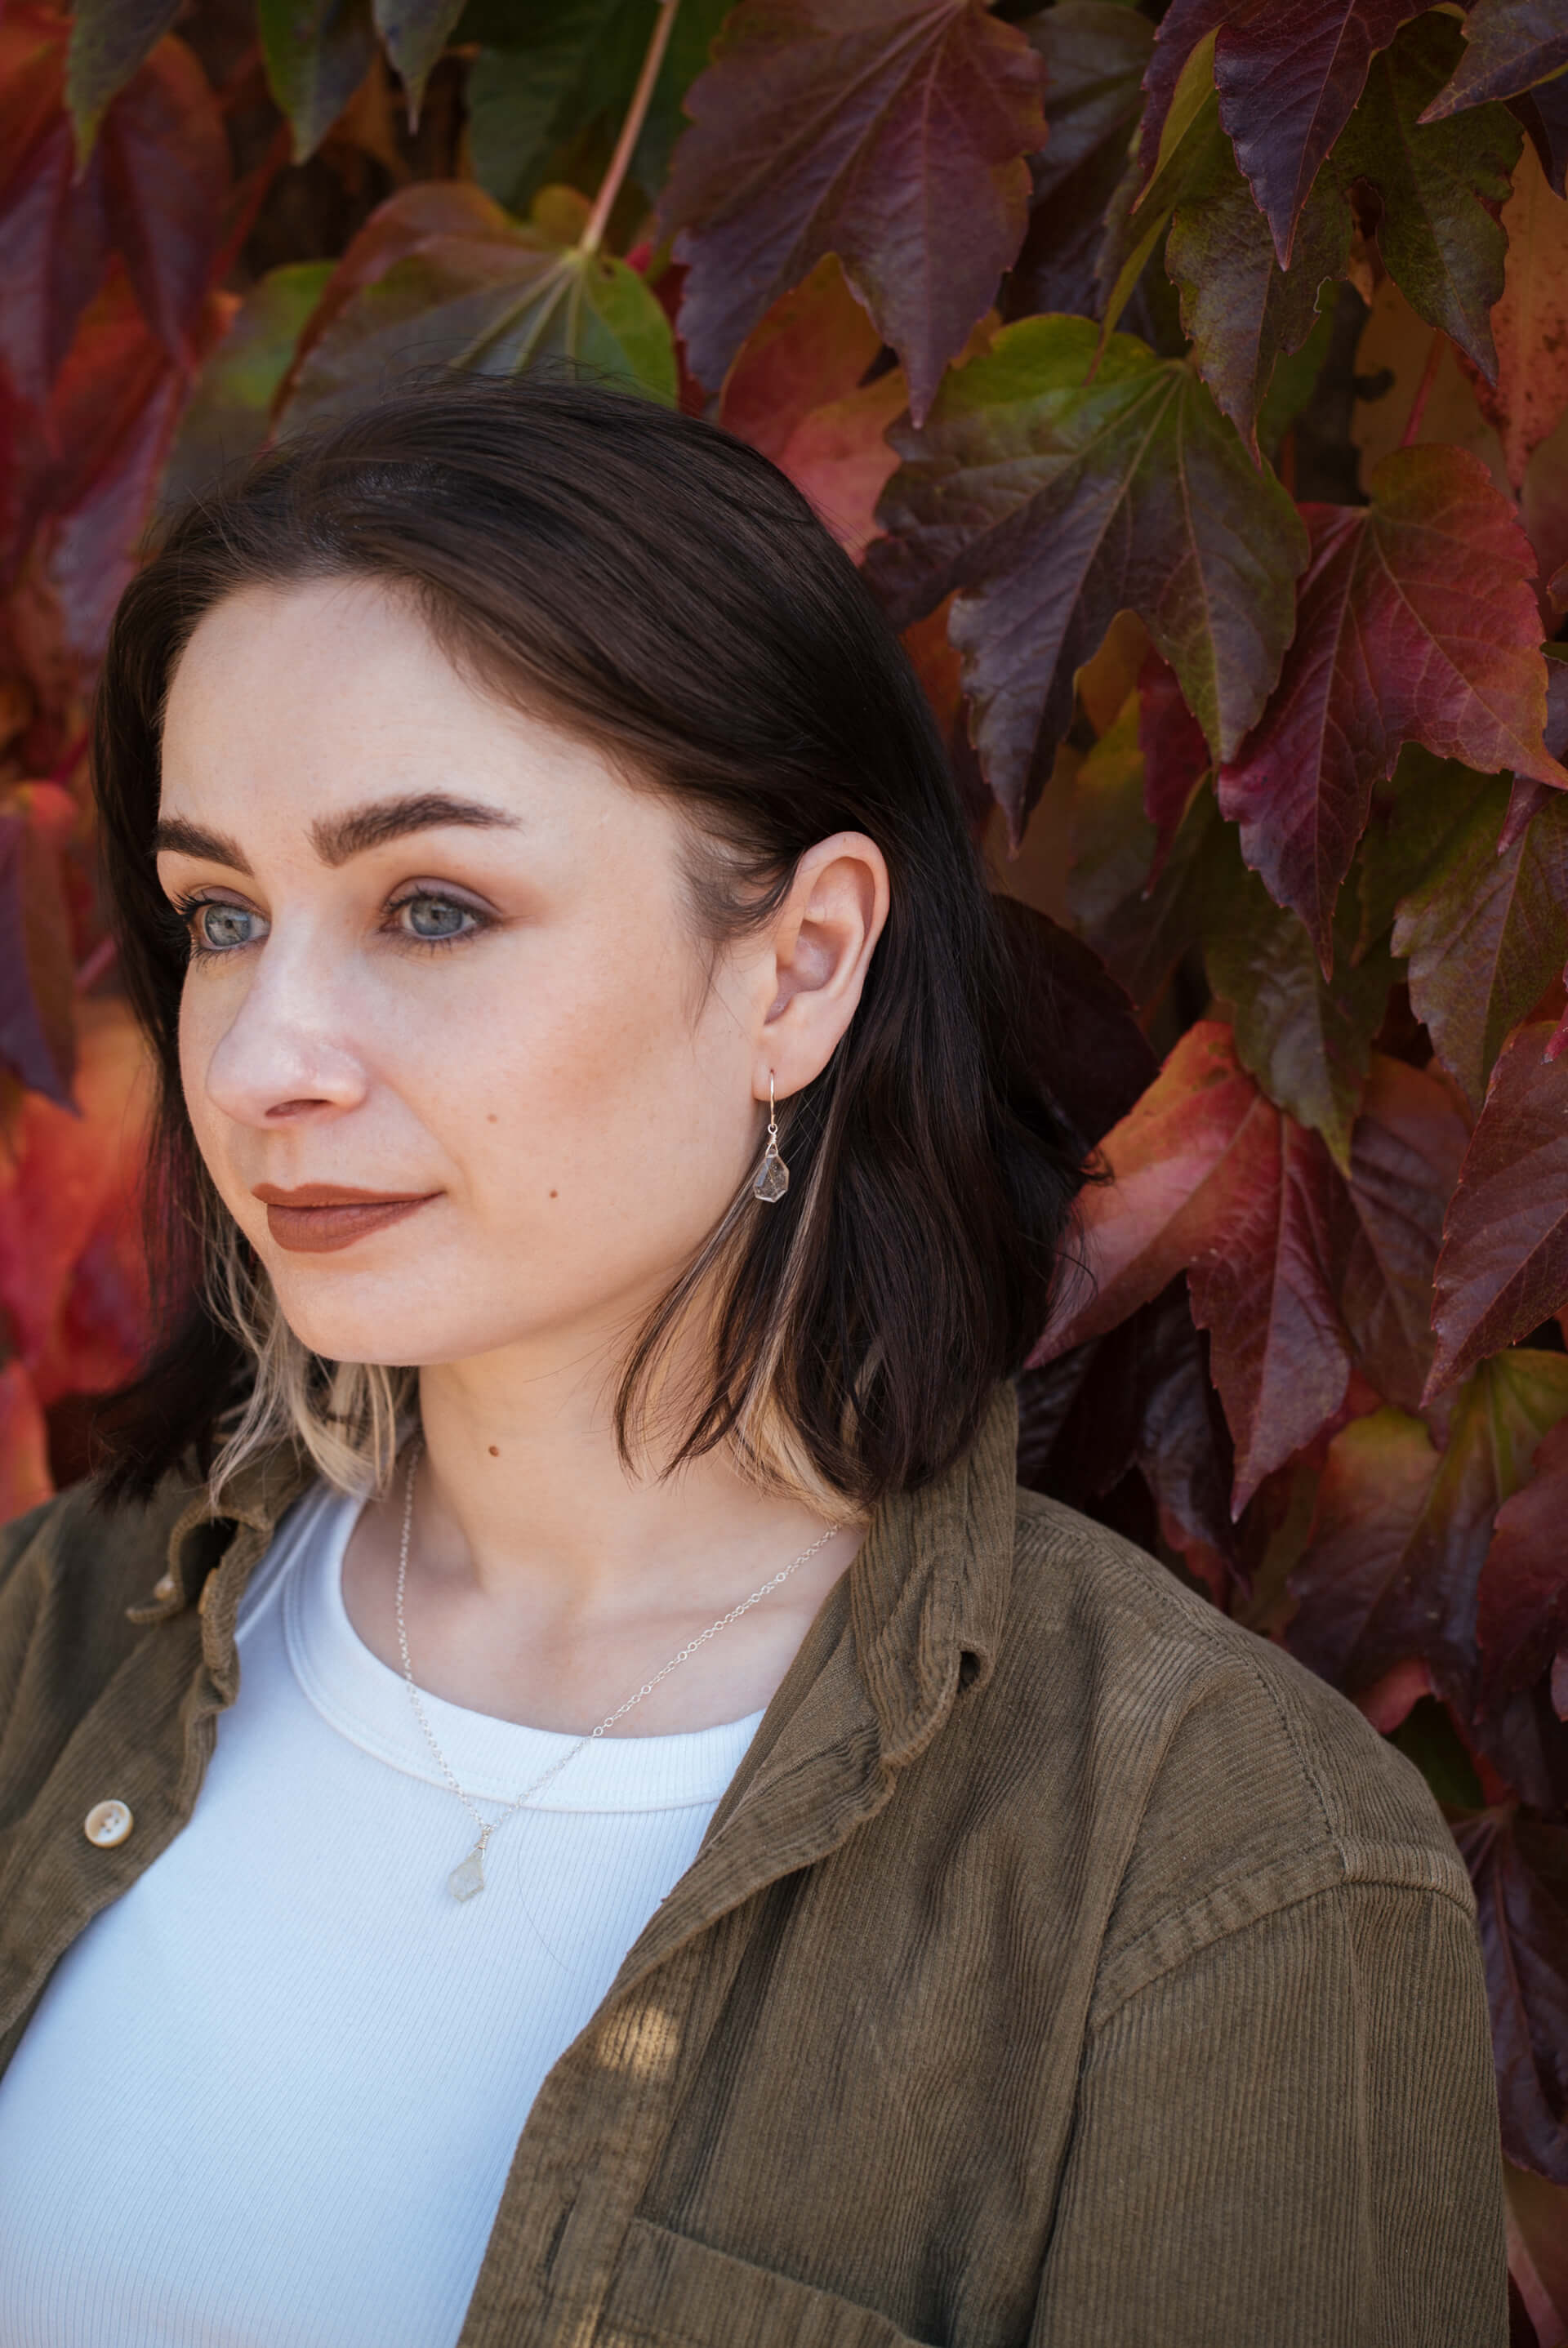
(1388, 1882)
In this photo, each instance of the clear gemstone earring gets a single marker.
(772, 1175)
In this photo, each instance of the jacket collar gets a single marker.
(928, 1589)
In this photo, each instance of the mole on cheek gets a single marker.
(495, 1451)
(554, 1194)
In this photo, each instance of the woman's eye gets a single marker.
(434, 919)
(218, 928)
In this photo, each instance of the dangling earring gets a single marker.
(772, 1175)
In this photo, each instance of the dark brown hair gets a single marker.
(659, 588)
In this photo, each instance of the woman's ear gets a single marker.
(821, 942)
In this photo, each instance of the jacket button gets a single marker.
(164, 1586)
(107, 1823)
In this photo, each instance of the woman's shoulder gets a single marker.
(73, 1548)
(1235, 1781)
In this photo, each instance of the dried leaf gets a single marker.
(1503, 1269)
(1531, 321)
(1387, 651)
(1051, 502)
(894, 133)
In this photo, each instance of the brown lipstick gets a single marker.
(321, 1217)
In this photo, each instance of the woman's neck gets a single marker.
(546, 1581)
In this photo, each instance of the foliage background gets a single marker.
(1192, 381)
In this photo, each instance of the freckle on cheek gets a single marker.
(490, 1117)
(554, 1194)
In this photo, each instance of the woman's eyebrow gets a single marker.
(337, 837)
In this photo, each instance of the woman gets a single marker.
(555, 1790)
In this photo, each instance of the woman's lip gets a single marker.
(319, 1231)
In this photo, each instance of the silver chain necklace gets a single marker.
(469, 1876)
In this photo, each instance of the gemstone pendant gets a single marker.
(470, 1877)
(772, 1179)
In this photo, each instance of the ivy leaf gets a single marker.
(1442, 185)
(1211, 1178)
(1406, 1151)
(1288, 80)
(439, 273)
(540, 80)
(110, 39)
(1387, 651)
(37, 1030)
(1092, 1053)
(895, 139)
(1504, 1266)
(1095, 52)
(228, 415)
(1544, 113)
(152, 190)
(1050, 502)
(1520, 1869)
(1510, 44)
(317, 52)
(1402, 1530)
(1141, 908)
(1486, 934)
(1530, 396)
(1175, 754)
(1522, 1606)
(1307, 1039)
(1140, 1397)
(416, 32)
(1417, 823)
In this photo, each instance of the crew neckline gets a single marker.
(368, 1701)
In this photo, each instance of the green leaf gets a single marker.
(317, 52)
(1442, 185)
(416, 32)
(1051, 501)
(1486, 934)
(1305, 1038)
(1189, 144)
(1417, 821)
(109, 39)
(440, 273)
(228, 415)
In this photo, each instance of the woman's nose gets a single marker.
(285, 1053)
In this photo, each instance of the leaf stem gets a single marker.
(631, 130)
(1429, 377)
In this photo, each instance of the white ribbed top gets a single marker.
(271, 2095)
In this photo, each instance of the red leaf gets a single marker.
(1520, 1869)
(1509, 45)
(1530, 324)
(25, 1478)
(1503, 1269)
(814, 346)
(1175, 754)
(1088, 1047)
(892, 133)
(1094, 53)
(1402, 1530)
(1521, 1613)
(1213, 1179)
(1387, 650)
(68, 1187)
(1405, 1158)
(153, 189)
(37, 1031)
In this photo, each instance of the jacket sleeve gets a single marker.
(1291, 2137)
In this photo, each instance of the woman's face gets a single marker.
(447, 959)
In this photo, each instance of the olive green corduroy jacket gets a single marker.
(1063, 1965)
